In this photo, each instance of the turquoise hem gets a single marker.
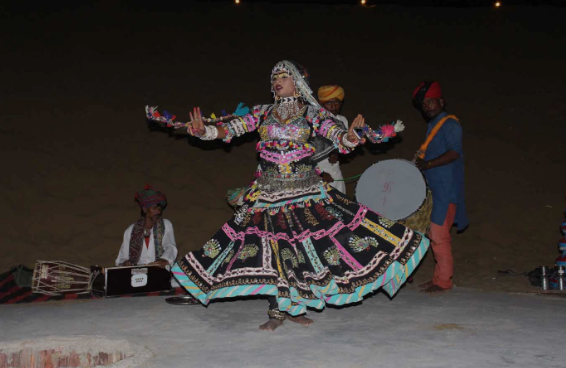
(391, 281)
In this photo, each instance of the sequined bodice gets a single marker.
(285, 155)
(297, 129)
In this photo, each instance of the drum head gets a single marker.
(392, 188)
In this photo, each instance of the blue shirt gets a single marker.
(446, 182)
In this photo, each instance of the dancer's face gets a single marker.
(283, 85)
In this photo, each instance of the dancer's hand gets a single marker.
(196, 124)
(359, 122)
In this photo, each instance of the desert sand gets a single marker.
(76, 146)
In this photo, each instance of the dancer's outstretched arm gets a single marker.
(344, 140)
(217, 128)
(197, 128)
(225, 130)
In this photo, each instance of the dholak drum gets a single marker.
(57, 277)
(396, 189)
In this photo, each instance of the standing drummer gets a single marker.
(441, 159)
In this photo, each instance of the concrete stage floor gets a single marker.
(463, 328)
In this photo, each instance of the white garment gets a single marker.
(148, 253)
(334, 169)
(343, 120)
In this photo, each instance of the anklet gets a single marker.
(276, 314)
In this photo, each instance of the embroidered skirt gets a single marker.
(308, 254)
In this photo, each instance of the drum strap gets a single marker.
(421, 152)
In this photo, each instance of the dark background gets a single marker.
(75, 145)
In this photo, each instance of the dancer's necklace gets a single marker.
(287, 108)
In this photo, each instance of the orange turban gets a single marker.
(326, 93)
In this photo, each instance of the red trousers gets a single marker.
(441, 243)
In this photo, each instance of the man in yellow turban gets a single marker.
(331, 98)
(333, 94)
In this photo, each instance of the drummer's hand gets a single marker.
(422, 164)
(196, 123)
(359, 122)
(327, 178)
(161, 263)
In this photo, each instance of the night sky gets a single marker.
(41, 6)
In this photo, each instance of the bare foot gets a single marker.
(426, 285)
(434, 289)
(302, 319)
(270, 325)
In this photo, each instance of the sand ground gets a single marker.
(461, 329)
(76, 147)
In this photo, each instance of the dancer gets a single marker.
(296, 239)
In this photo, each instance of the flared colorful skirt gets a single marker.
(306, 254)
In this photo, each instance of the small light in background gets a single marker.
(237, 1)
(363, 2)
(497, 4)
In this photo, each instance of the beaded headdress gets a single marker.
(299, 80)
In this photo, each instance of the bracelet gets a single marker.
(250, 123)
(276, 314)
(237, 129)
(429, 165)
(347, 143)
(244, 125)
(228, 134)
(210, 134)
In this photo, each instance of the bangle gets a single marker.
(347, 143)
(210, 134)
(430, 165)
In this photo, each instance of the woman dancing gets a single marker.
(295, 239)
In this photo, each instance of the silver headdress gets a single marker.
(301, 85)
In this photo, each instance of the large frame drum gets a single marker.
(396, 189)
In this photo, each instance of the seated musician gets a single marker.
(150, 240)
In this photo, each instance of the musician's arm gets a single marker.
(444, 159)
(124, 254)
(169, 245)
(453, 152)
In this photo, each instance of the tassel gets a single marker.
(399, 126)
